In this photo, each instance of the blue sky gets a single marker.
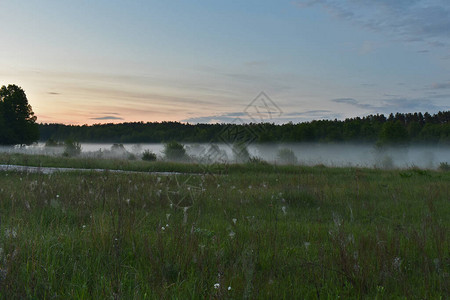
(85, 62)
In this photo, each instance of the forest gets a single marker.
(399, 128)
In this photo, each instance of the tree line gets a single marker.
(18, 126)
(399, 128)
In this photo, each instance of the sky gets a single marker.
(206, 61)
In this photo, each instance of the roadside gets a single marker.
(51, 170)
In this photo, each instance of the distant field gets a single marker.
(248, 231)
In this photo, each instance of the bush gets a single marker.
(286, 157)
(71, 148)
(241, 154)
(118, 148)
(444, 166)
(52, 143)
(175, 151)
(258, 161)
(148, 155)
(213, 155)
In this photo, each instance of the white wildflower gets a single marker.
(234, 220)
(337, 219)
(436, 263)
(307, 244)
(232, 234)
(229, 288)
(284, 210)
(397, 263)
(216, 285)
(167, 217)
(10, 233)
(163, 228)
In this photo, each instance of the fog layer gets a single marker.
(337, 155)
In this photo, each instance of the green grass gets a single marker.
(143, 166)
(265, 231)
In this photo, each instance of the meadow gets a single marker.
(235, 231)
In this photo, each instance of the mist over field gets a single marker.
(332, 155)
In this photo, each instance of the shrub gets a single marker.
(240, 152)
(213, 155)
(118, 148)
(71, 148)
(444, 166)
(287, 157)
(52, 143)
(148, 155)
(258, 161)
(174, 151)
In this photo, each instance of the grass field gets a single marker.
(255, 231)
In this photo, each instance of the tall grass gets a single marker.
(287, 233)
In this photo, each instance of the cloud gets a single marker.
(393, 105)
(308, 112)
(309, 115)
(409, 20)
(440, 96)
(353, 102)
(107, 118)
(239, 118)
(223, 118)
(442, 85)
(53, 93)
(368, 84)
(411, 105)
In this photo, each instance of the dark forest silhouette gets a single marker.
(394, 129)
(18, 126)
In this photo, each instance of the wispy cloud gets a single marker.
(222, 118)
(397, 104)
(409, 20)
(353, 102)
(107, 118)
(441, 85)
(53, 93)
(238, 117)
